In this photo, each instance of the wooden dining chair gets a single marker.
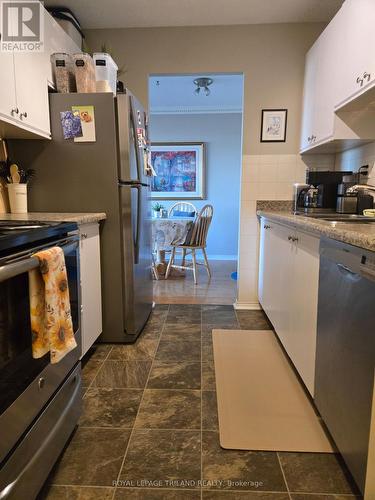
(182, 206)
(197, 242)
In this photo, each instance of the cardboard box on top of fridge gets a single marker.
(105, 69)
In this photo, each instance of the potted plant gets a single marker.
(157, 208)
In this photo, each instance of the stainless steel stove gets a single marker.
(39, 402)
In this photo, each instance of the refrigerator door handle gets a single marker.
(138, 223)
(135, 134)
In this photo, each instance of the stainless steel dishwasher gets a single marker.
(344, 380)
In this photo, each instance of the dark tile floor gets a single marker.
(149, 427)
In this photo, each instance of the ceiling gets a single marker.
(150, 13)
(175, 94)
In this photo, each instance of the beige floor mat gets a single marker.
(261, 403)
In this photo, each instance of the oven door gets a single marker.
(26, 384)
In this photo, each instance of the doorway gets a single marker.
(200, 109)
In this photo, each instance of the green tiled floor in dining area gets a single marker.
(149, 427)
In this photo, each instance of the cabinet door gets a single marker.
(270, 269)
(288, 292)
(355, 32)
(265, 266)
(275, 263)
(8, 87)
(8, 103)
(325, 85)
(32, 92)
(91, 318)
(309, 91)
(284, 253)
(304, 307)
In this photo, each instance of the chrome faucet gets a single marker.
(364, 187)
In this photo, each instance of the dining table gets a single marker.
(166, 232)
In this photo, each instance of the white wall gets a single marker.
(222, 135)
(271, 57)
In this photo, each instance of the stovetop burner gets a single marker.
(25, 232)
(6, 225)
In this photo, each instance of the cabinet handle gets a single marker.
(266, 226)
(366, 76)
(292, 238)
(84, 236)
(14, 111)
(23, 115)
(360, 81)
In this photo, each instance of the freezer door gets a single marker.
(131, 128)
(137, 279)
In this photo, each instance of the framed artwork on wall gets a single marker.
(180, 170)
(273, 127)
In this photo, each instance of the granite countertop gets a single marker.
(79, 218)
(357, 234)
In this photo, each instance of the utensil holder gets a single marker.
(17, 198)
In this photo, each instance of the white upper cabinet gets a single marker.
(24, 108)
(339, 67)
(309, 97)
(8, 102)
(355, 32)
(319, 95)
(32, 93)
(326, 48)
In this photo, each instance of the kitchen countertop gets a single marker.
(357, 234)
(79, 218)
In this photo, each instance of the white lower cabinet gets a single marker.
(288, 291)
(91, 292)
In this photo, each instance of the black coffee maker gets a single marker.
(319, 194)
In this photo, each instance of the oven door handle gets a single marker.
(23, 266)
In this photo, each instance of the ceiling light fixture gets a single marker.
(202, 84)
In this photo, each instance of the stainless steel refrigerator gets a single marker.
(108, 175)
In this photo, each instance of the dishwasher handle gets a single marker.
(348, 273)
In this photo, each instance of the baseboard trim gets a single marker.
(217, 257)
(222, 257)
(255, 306)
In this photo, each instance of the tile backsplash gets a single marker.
(270, 177)
(354, 158)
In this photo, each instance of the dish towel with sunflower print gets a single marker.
(51, 320)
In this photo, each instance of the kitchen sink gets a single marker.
(365, 220)
(349, 218)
